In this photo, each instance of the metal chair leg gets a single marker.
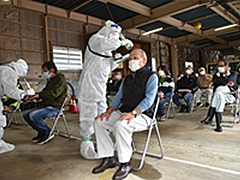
(144, 152)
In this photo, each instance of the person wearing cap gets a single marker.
(98, 64)
(205, 82)
(9, 74)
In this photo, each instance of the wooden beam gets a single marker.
(225, 14)
(206, 34)
(79, 5)
(161, 11)
(131, 5)
(180, 25)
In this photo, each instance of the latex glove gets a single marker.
(30, 92)
(127, 43)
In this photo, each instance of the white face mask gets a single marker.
(134, 65)
(188, 71)
(202, 73)
(221, 69)
(117, 77)
(161, 73)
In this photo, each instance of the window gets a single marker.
(67, 58)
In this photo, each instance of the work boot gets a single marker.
(208, 119)
(182, 108)
(218, 116)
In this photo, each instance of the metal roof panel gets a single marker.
(153, 3)
(173, 32)
(193, 14)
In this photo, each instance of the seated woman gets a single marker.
(165, 89)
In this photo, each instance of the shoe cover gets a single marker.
(5, 147)
(87, 150)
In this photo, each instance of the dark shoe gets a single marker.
(46, 137)
(35, 139)
(207, 104)
(218, 116)
(182, 108)
(109, 162)
(208, 119)
(123, 171)
(199, 104)
(188, 109)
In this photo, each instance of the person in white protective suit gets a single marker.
(9, 74)
(98, 64)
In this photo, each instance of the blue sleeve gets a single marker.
(150, 94)
(117, 99)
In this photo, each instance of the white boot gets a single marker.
(5, 147)
(87, 150)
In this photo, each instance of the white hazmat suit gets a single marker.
(98, 64)
(9, 74)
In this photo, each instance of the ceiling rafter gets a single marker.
(206, 34)
(79, 5)
(167, 9)
(131, 5)
(225, 14)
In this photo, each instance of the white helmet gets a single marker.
(20, 67)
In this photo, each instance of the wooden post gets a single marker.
(174, 59)
(46, 36)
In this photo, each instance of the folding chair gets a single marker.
(13, 116)
(56, 119)
(235, 110)
(144, 152)
(170, 105)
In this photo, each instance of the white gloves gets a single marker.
(30, 92)
(127, 43)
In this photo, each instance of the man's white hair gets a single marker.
(144, 55)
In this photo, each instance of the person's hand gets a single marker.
(189, 91)
(103, 115)
(34, 97)
(127, 116)
(180, 94)
(161, 96)
(126, 42)
(230, 83)
(210, 84)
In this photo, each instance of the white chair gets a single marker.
(235, 110)
(144, 153)
(170, 105)
(13, 116)
(56, 119)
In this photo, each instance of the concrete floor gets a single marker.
(192, 152)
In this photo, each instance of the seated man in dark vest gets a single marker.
(136, 95)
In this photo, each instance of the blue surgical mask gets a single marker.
(46, 75)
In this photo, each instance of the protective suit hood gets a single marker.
(109, 28)
(20, 67)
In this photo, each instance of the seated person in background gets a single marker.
(238, 76)
(136, 95)
(205, 82)
(52, 97)
(113, 85)
(186, 87)
(224, 83)
(165, 89)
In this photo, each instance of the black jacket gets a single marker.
(220, 80)
(190, 83)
